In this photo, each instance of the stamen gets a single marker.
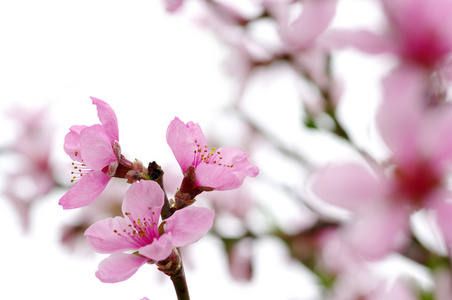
(79, 170)
(202, 154)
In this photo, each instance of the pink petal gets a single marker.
(313, 20)
(107, 236)
(172, 5)
(159, 249)
(85, 191)
(363, 40)
(97, 152)
(189, 224)
(144, 199)
(108, 119)
(350, 186)
(221, 177)
(400, 115)
(119, 267)
(72, 142)
(442, 206)
(183, 140)
(435, 140)
(378, 230)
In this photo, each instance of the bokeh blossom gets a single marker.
(383, 196)
(173, 5)
(427, 42)
(139, 231)
(97, 157)
(32, 146)
(220, 169)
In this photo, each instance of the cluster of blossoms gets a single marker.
(382, 195)
(414, 122)
(152, 228)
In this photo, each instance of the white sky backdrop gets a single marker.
(150, 67)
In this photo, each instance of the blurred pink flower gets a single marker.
(363, 284)
(108, 204)
(313, 20)
(426, 42)
(173, 5)
(139, 230)
(220, 169)
(382, 196)
(97, 155)
(237, 203)
(240, 258)
(32, 145)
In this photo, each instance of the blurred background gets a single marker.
(150, 66)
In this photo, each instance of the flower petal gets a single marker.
(108, 119)
(97, 152)
(72, 142)
(183, 140)
(85, 191)
(349, 185)
(435, 138)
(144, 200)
(108, 236)
(172, 5)
(119, 267)
(363, 40)
(159, 249)
(378, 230)
(189, 224)
(313, 20)
(442, 206)
(223, 177)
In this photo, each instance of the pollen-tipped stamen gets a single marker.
(79, 170)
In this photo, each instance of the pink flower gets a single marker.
(383, 196)
(425, 44)
(364, 284)
(97, 155)
(108, 204)
(314, 19)
(219, 169)
(173, 5)
(139, 230)
(32, 146)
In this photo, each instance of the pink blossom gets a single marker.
(240, 260)
(97, 155)
(173, 5)
(383, 196)
(426, 42)
(32, 146)
(363, 284)
(221, 169)
(313, 20)
(139, 230)
(108, 204)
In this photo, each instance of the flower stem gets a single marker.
(180, 284)
(174, 268)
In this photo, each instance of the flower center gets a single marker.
(203, 155)
(80, 169)
(414, 183)
(139, 232)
